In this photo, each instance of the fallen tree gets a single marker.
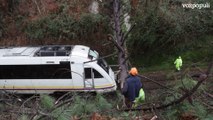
(187, 95)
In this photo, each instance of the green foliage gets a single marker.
(85, 106)
(194, 108)
(208, 117)
(125, 115)
(102, 104)
(23, 117)
(186, 82)
(62, 113)
(164, 30)
(197, 110)
(82, 106)
(54, 26)
(47, 102)
(66, 27)
(1, 106)
(130, 115)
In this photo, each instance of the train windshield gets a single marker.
(103, 64)
(93, 54)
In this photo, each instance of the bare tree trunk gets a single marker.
(119, 40)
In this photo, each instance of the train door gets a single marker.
(89, 78)
(93, 79)
(77, 75)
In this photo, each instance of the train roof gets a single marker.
(45, 51)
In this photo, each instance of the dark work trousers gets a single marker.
(128, 103)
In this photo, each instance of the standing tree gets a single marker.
(120, 35)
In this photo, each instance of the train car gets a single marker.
(54, 68)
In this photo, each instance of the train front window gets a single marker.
(93, 54)
(103, 64)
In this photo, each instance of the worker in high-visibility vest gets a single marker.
(178, 63)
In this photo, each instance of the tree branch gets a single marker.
(35, 1)
(124, 15)
(112, 39)
(127, 33)
(208, 94)
(155, 82)
(207, 105)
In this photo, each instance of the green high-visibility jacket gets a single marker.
(178, 63)
(140, 98)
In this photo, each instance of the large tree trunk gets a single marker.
(119, 40)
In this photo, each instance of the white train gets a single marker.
(49, 69)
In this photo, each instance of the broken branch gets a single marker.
(127, 33)
(112, 39)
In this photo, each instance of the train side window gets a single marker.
(88, 74)
(59, 71)
(97, 74)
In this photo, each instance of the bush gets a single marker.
(65, 27)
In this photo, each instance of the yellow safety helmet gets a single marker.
(133, 71)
